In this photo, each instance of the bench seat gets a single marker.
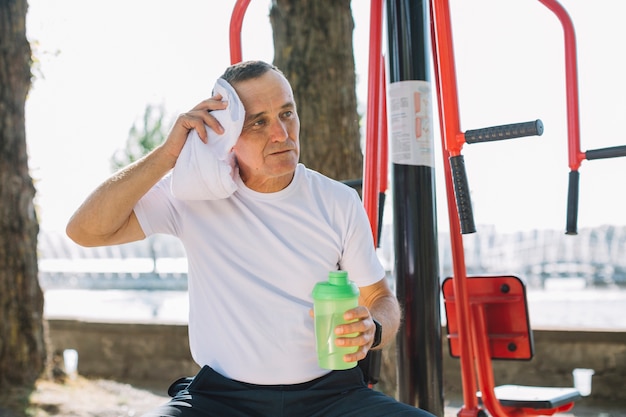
(539, 398)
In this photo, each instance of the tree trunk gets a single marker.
(313, 47)
(22, 347)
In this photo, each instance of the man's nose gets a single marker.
(279, 132)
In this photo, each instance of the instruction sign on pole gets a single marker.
(410, 123)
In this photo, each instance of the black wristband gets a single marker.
(378, 334)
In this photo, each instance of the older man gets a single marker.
(254, 258)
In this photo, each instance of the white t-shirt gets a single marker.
(254, 259)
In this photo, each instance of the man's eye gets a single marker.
(259, 123)
(288, 114)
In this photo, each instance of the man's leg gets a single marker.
(340, 394)
(211, 395)
(345, 394)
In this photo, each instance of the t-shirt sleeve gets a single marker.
(156, 210)
(359, 256)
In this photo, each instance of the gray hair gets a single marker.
(247, 70)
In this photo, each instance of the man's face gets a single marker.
(268, 149)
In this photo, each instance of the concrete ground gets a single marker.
(580, 410)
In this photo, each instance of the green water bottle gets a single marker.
(331, 299)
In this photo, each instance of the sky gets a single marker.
(99, 64)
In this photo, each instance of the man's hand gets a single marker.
(376, 298)
(196, 119)
(106, 217)
(364, 327)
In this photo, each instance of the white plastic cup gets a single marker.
(70, 360)
(582, 380)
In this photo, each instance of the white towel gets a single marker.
(207, 171)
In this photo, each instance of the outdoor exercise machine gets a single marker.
(574, 153)
(487, 317)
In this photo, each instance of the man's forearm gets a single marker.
(387, 312)
(104, 217)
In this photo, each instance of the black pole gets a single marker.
(414, 208)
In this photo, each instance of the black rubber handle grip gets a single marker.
(512, 131)
(462, 194)
(571, 227)
(605, 153)
(381, 214)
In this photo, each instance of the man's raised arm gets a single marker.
(106, 217)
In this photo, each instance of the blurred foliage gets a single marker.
(152, 131)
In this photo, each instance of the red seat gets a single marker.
(501, 330)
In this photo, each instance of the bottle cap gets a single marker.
(337, 287)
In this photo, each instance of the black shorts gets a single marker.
(340, 393)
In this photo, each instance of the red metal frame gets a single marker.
(446, 87)
(376, 126)
(470, 318)
(575, 155)
(503, 299)
(236, 22)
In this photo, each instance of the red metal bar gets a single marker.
(443, 45)
(575, 155)
(485, 370)
(371, 174)
(383, 153)
(236, 22)
(445, 79)
(486, 380)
